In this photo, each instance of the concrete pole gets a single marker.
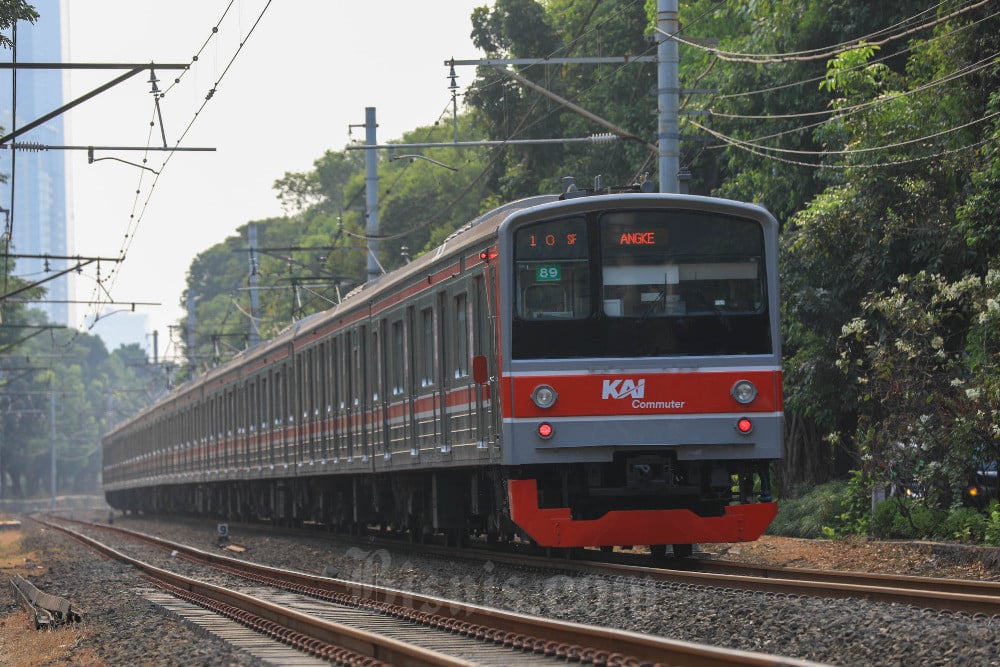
(668, 89)
(371, 193)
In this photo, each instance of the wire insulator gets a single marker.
(603, 138)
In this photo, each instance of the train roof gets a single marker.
(471, 232)
(466, 236)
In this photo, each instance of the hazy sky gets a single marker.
(305, 73)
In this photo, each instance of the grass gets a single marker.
(21, 645)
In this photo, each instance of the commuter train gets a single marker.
(569, 370)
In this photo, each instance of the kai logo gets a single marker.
(623, 389)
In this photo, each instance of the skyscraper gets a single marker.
(35, 193)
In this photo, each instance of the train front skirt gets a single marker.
(555, 527)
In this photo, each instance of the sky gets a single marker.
(305, 73)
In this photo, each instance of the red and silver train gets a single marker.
(577, 370)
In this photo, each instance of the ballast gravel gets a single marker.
(838, 632)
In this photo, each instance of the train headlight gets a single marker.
(544, 396)
(744, 392)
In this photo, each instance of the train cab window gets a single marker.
(655, 266)
(640, 283)
(552, 270)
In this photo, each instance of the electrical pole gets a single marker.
(190, 334)
(371, 193)
(52, 441)
(254, 276)
(668, 95)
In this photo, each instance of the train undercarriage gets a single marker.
(636, 499)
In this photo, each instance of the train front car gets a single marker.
(641, 370)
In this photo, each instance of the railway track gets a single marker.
(357, 623)
(954, 595)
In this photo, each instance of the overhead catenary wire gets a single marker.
(828, 52)
(879, 59)
(988, 61)
(140, 207)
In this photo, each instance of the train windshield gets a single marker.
(640, 283)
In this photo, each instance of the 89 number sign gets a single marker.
(548, 273)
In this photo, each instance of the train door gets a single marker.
(344, 398)
(445, 383)
(286, 385)
(399, 404)
(362, 376)
(228, 417)
(356, 377)
(322, 409)
(249, 422)
(273, 418)
(456, 358)
(308, 393)
(379, 393)
(485, 345)
(411, 380)
(425, 354)
(335, 408)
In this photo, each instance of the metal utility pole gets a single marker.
(667, 96)
(254, 276)
(371, 193)
(52, 441)
(190, 334)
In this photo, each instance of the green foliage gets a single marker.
(71, 376)
(12, 11)
(904, 518)
(883, 167)
(964, 524)
(992, 531)
(808, 516)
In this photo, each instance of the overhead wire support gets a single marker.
(133, 70)
(592, 139)
(80, 263)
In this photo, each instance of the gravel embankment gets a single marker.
(850, 632)
(119, 626)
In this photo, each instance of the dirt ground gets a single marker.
(928, 559)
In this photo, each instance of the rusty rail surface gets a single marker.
(569, 641)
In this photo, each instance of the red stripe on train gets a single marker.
(679, 392)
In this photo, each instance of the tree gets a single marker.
(12, 11)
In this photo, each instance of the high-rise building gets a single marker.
(34, 196)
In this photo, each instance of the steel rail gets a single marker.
(583, 642)
(367, 644)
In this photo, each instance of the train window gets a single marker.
(553, 271)
(376, 367)
(426, 358)
(679, 263)
(659, 282)
(398, 354)
(461, 347)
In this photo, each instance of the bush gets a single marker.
(992, 536)
(807, 516)
(840, 508)
(903, 519)
(964, 524)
